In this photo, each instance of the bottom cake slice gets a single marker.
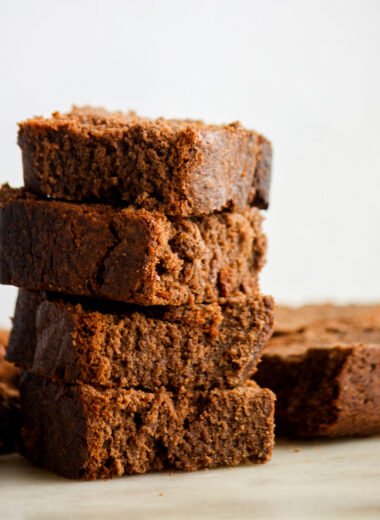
(323, 363)
(83, 432)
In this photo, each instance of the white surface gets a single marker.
(304, 73)
(305, 480)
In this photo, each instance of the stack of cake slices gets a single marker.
(137, 247)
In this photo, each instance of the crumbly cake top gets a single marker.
(100, 118)
(323, 326)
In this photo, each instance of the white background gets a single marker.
(304, 73)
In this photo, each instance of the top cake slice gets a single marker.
(176, 167)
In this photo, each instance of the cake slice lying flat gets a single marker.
(9, 400)
(127, 254)
(116, 345)
(84, 432)
(180, 168)
(323, 363)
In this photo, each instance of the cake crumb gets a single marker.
(297, 450)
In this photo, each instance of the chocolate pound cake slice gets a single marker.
(323, 363)
(84, 432)
(9, 400)
(129, 254)
(202, 346)
(180, 168)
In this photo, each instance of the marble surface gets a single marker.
(309, 480)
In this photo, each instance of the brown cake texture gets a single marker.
(9, 400)
(323, 363)
(202, 346)
(179, 168)
(129, 254)
(84, 432)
